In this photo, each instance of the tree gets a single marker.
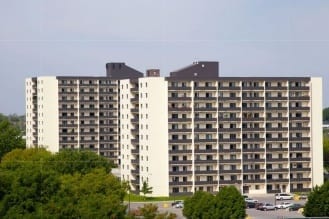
(72, 161)
(33, 185)
(146, 189)
(200, 205)
(228, 203)
(326, 150)
(10, 137)
(318, 202)
(325, 114)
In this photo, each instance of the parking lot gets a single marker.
(252, 212)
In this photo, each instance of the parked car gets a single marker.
(259, 205)
(295, 207)
(177, 204)
(283, 196)
(250, 200)
(267, 207)
(283, 205)
(251, 204)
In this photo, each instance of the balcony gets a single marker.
(276, 149)
(299, 88)
(210, 99)
(205, 130)
(254, 171)
(179, 173)
(228, 150)
(206, 172)
(229, 109)
(228, 140)
(173, 141)
(205, 140)
(253, 139)
(205, 161)
(300, 159)
(277, 98)
(254, 181)
(300, 179)
(278, 170)
(276, 139)
(229, 161)
(206, 182)
(277, 180)
(252, 109)
(187, 183)
(253, 150)
(303, 169)
(179, 109)
(299, 139)
(299, 149)
(200, 88)
(186, 162)
(205, 151)
(180, 130)
(230, 171)
(183, 88)
(205, 109)
(306, 98)
(179, 120)
(179, 99)
(180, 151)
(230, 182)
(273, 160)
(229, 129)
(198, 119)
(253, 160)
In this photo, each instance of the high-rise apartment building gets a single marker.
(192, 130)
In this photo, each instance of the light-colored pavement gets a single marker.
(252, 213)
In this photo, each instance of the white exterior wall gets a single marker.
(125, 133)
(316, 131)
(48, 120)
(153, 126)
(29, 112)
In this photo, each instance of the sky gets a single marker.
(78, 37)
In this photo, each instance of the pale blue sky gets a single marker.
(77, 37)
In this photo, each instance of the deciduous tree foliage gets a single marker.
(227, 203)
(10, 137)
(317, 204)
(34, 185)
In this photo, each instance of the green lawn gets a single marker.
(140, 198)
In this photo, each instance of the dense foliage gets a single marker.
(146, 189)
(10, 136)
(227, 203)
(325, 114)
(318, 202)
(71, 184)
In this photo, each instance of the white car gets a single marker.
(250, 200)
(283, 205)
(283, 196)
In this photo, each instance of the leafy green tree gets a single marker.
(228, 203)
(326, 151)
(33, 186)
(325, 114)
(146, 189)
(149, 211)
(200, 205)
(10, 137)
(96, 194)
(72, 161)
(317, 204)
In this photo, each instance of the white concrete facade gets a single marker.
(316, 132)
(42, 103)
(153, 126)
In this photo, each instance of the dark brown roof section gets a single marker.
(153, 73)
(198, 70)
(119, 70)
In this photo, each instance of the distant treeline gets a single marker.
(16, 120)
